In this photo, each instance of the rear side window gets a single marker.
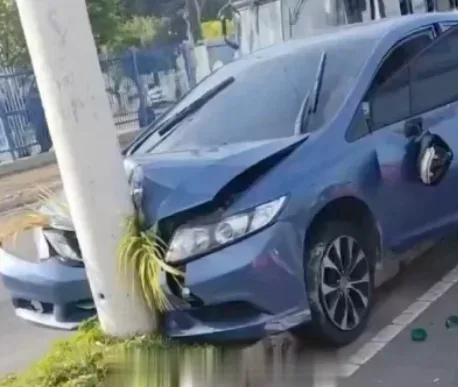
(434, 74)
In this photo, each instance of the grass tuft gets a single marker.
(32, 218)
(144, 252)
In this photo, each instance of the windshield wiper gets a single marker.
(310, 104)
(172, 122)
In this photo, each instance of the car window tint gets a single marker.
(401, 55)
(447, 26)
(390, 98)
(434, 74)
(358, 127)
(391, 102)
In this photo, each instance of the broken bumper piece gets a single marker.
(47, 292)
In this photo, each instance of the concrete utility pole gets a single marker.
(72, 89)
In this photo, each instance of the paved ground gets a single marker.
(411, 364)
(21, 343)
(395, 360)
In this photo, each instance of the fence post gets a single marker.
(142, 115)
(7, 131)
(186, 49)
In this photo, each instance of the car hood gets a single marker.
(176, 182)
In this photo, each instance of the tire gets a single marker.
(319, 272)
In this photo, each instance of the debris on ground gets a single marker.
(451, 322)
(419, 334)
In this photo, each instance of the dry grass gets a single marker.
(30, 218)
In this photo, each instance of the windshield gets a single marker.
(265, 98)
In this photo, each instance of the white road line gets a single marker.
(387, 334)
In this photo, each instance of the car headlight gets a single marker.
(190, 241)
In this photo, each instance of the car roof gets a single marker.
(372, 30)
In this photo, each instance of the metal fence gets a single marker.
(140, 85)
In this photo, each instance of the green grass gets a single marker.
(143, 252)
(91, 359)
(84, 360)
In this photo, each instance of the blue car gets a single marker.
(282, 181)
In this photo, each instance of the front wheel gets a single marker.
(340, 282)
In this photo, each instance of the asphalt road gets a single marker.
(417, 364)
(401, 362)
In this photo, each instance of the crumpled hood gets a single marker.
(176, 182)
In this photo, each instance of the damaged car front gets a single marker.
(222, 176)
(44, 270)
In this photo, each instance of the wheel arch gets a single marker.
(353, 210)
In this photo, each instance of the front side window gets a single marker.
(434, 74)
(390, 95)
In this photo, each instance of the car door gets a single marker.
(387, 107)
(434, 102)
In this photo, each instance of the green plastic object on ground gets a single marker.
(451, 322)
(419, 334)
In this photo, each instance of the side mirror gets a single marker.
(434, 158)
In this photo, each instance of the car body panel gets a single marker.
(177, 182)
(244, 274)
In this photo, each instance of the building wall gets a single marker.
(274, 21)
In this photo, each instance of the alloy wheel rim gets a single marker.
(345, 284)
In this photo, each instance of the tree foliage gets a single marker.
(137, 31)
(117, 25)
(13, 49)
(105, 17)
